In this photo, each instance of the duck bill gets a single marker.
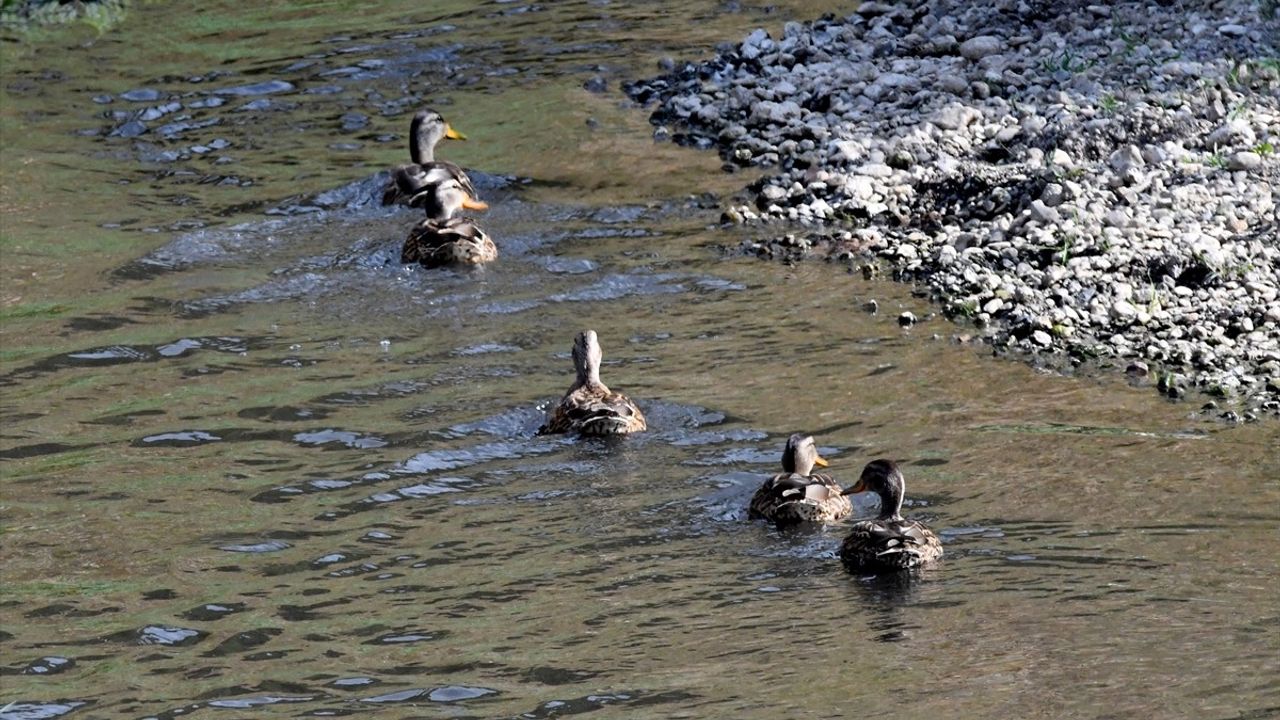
(820, 461)
(452, 134)
(471, 203)
(857, 488)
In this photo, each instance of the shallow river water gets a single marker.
(253, 467)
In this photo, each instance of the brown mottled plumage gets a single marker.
(426, 130)
(888, 543)
(798, 494)
(442, 239)
(590, 407)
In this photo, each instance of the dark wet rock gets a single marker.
(133, 128)
(353, 121)
(213, 611)
(158, 635)
(267, 87)
(243, 641)
(21, 710)
(141, 95)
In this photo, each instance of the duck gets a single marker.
(443, 239)
(798, 494)
(590, 407)
(887, 543)
(426, 130)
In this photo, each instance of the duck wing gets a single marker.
(787, 498)
(409, 180)
(594, 411)
(894, 545)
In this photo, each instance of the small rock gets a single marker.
(1230, 133)
(1052, 195)
(1125, 158)
(1042, 338)
(871, 306)
(141, 95)
(1137, 369)
(907, 319)
(133, 128)
(1232, 30)
(956, 116)
(595, 84)
(979, 47)
(1244, 160)
(1043, 213)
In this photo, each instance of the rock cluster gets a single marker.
(1091, 181)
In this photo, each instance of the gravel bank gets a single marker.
(1086, 182)
(22, 14)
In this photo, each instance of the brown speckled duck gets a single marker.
(442, 239)
(798, 494)
(426, 130)
(889, 542)
(590, 407)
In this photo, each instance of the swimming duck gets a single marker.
(442, 239)
(426, 130)
(798, 494)
(887, 543)
(590, 407)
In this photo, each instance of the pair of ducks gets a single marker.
(887, 543)
(441, 189)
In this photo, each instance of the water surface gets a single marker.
(252, 464)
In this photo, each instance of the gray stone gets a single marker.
(1043, 213)
(956, 116)
(1244, 160)
(981, 46)
(1052, 195)
(1230, 133)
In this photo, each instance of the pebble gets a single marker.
(1245, 160)
(979, 47)
(907, 319)
(141, 95)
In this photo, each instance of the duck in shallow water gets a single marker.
(443, 239)
(798, 494)
(590, 407)
(426, 130)
(889, 542)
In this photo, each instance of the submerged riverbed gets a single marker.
(251, 463)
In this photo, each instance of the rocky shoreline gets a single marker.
(1093, 182)
(23, 14)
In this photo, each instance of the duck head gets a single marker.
(442, 200)
(883, 478)
(587, 356)
(801, 454)
(427, 129)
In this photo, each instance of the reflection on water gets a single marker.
(250, 463)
